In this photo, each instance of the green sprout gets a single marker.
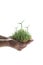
(21, 35)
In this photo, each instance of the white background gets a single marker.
(13, 12)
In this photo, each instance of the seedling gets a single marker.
(22, 35)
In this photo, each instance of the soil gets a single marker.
(13, 43)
